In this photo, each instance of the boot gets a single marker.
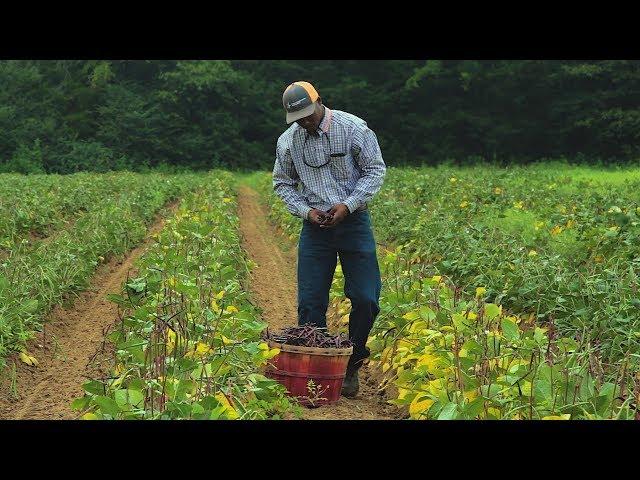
(350, 385)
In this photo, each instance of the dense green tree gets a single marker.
(69, 115)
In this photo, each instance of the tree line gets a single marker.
(63, 116)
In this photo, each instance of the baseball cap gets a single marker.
(299, 100)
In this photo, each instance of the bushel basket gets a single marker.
(313, 375)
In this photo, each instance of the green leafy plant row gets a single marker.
(39, 205)
(188, 343)
(455, 356)
(557, 241)
(33, 280)
(455, 352)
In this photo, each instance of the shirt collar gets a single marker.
(325, 123)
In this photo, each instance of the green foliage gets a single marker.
(25, 159)
(212, 113)
(42, 272)
(83, 155)
(556, 246)
(555, 241)
(36, 206)
(456, 357)
(188, 346)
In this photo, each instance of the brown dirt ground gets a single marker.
(72, 348)
(273, 287)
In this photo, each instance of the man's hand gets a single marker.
(318, 217)
(337, 213)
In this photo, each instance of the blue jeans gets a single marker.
(353, 242)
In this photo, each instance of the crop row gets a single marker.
(188, 343)
(560, 242)
(33, 280)
(451, 353)
(37, 205)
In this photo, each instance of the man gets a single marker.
(336, 160)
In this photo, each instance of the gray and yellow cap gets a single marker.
(299, 100)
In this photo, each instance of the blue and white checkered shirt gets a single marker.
(353, 173)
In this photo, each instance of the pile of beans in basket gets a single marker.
(308, 336)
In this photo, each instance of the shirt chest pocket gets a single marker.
(341, 163)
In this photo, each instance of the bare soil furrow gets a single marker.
(71, 348)
(273, 287)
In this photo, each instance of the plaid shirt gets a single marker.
(352, 176)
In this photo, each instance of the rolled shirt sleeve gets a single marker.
(366, 152)
(285, 183)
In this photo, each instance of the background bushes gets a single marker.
(64, 116)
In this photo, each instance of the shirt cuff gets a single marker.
(304, 211)
(352, 203)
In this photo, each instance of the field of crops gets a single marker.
(507, 293)
(110, 214)
(188, 344)
(560, 243)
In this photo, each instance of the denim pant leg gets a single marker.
(317, 259)
(357, 251)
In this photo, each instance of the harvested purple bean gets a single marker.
(308, 336)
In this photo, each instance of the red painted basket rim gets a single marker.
(332, 352)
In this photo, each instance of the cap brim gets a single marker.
(305, 112)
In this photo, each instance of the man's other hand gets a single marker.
(337, 213)
(318, 217)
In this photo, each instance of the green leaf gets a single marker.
(128, 397)
(136, 384)
(216, 412)
(540, 337)
(184, 386)
(426, 313)
(473, 409)
(472, 346)
(460, 322)
(543, 390)
(94, 387)
(107, 405)
(518, 370)
(567, 344)
(117, 299)
(491, 391)
(187, 289)
(510, 330)
(80, 403)
(137, 285)
(137, 353)
(442, 318)
(4, 283)
(209, 403)
(604, 398)
(412, 315)
(179, 409)
(448, 412)
(491, 311)
(91, 416)
(115, 337)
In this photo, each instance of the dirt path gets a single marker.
(273, 288)
(72, 338)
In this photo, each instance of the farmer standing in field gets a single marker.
(336, 160)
